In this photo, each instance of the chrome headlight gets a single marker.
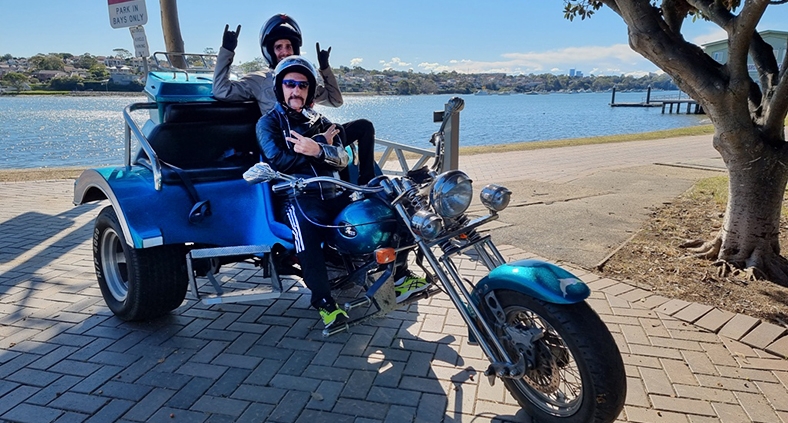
(495, 197)
(451, 193)
(426, 224)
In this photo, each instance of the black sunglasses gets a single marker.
(292, 83)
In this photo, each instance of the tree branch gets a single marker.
(774, 119)
(693, 71)
(674, 12)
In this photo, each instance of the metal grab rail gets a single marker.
(131, 126)
(399, 150)
(451, 136)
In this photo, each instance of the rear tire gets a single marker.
(137, 284)
(579, 374)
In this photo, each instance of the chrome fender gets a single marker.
(242, 213)
(538, 279)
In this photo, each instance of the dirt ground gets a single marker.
(653, 260)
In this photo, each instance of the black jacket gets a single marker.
(278, 152)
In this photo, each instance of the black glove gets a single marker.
(230, 38)
(322, 56)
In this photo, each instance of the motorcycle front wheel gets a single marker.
(576, 373)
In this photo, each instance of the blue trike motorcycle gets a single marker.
(194, 196)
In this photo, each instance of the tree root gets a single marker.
(757, 265)
(703, 249)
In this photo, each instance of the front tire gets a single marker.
(578, 373)
(137, 284)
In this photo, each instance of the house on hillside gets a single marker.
(48, 75)
(718, 50)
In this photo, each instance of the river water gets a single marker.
(56, 131)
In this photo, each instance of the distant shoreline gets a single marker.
(76, 93)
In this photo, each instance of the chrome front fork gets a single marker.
(446, 271)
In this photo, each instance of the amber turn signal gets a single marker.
(385, 255)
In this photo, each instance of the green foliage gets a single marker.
(47, 62)
(6, 57)
(99, 71)
(582, 8)
(71, 83)
(15, 79)
(122, 53)
(253, 66)
(86, 61)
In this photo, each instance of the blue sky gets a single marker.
(522, 36)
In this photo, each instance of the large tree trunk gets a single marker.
(748, 117)
(749, 237)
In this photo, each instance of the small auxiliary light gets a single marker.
(495, 197)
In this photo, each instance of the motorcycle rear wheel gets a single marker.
(578, 374)
(137, 284)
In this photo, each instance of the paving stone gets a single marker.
(763, 335)
(216, 405)
(682, 405)
(757, 407)
(650, 415)
(111, 412)
(80, 403)
(738, 326)
(776, 394)
(673, 306)
(706, 394)
(779, 347)
(715, 319)
(693, 312)
(27, 413)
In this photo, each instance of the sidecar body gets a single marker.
(180, 198)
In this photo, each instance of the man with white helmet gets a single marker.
(298, 141)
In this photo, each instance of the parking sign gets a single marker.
(126, 13)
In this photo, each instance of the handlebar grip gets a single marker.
(280, 187)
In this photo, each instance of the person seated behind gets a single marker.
(298, 141)
(280, 37)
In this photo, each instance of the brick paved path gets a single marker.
(65, 358)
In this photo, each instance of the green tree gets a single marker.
(253, 66)
(86, 61)
(748, 115)
(47, 62)
(122, 53)
(98, 72)
(6, 57)
(16, 80)
(69, 83)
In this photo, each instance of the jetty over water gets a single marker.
(664, 101)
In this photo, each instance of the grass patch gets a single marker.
(715, 187)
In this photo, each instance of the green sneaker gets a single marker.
(409, 285)
(332, 314)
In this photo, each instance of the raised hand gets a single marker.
(304, 145)
(330, 133)
(230, 38)
(322, 56)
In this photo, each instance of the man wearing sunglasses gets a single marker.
(280, 37)
(298, 141)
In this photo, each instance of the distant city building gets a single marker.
(575, 73)
(571, 73)
(718, 50)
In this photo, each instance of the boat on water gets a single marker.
(482, 92)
